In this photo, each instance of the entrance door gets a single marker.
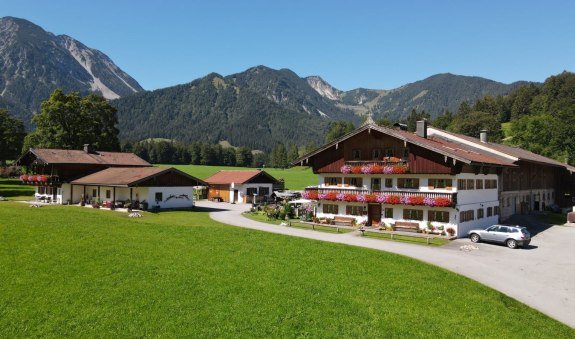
(373, 214)
(235, 196)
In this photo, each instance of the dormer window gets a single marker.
(356, 154)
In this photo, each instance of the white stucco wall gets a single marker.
(178, 201)
(242, 190)
(397, 213)
(466, 199)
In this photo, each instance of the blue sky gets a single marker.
(372, 44)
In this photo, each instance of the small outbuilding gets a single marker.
(159, 187)
(240, 186)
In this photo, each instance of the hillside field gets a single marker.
(72, 271)
(296, 178)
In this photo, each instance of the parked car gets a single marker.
(510, 235)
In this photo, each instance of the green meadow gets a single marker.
(72, 271)
(296, 178)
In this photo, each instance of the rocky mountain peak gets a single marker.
(323, 88)
(33, 63)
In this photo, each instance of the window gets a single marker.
(461, 184)
(408, 182)
(466, 216)
(508, 202)
(159, 197)
(94, 192)
(332, 181)
(354, 210)
(108, 194)
(479, 184)
(330, 208)
(470, 184)
(489, 211)
(490, 183)
(409, 214)
(356, 154)
(389, 152)
(264, 191)
(356, 182)
(388, 213)
(251, 191)
(388, 182)
(440, 183)
(375, 184)
(441, 216)
(496, 210)
(480, 213)
(376, 153)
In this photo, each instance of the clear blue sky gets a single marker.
(372, 44)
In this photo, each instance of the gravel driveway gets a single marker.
(541, 276)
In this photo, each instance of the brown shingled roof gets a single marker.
(63, 156)
(235, 176)
(128, 176)
(458, 151)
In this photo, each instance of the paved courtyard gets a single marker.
(541, 276)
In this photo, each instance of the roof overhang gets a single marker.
(300, 161)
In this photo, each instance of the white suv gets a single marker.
(510, 235)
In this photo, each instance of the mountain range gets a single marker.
(256, 108)
(33, 63)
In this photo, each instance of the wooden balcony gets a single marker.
(387, 161)
(397, 193)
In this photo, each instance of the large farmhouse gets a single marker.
(431, 178)
(74, 176)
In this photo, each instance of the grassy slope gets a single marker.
(70, 271)
(13, 189)
(296, 178)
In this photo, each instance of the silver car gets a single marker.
(510, 235)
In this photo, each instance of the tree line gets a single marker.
(198, 153)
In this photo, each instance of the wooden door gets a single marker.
(373, 214)
(235, 196)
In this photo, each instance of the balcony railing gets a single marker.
(393, 197)
(384, 162)
(386, 166)
(40, 179)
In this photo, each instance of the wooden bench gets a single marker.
(343, 221)
(406, 226)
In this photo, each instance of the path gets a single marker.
(542, 276)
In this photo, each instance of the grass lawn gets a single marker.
(13, 189)
(296, 178)
(71, 271)
(295, 223)
(407, 239)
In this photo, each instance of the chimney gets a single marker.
(483, 135)
(87, 148)
(421, 129)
